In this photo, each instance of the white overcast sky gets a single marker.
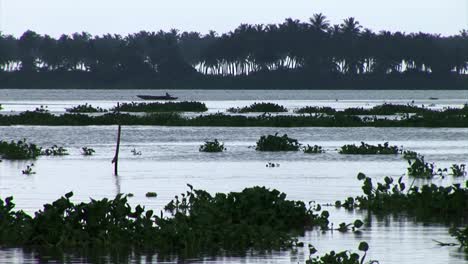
(55, 17)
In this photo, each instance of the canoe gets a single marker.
(155, 97)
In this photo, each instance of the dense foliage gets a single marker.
(315, 109)
(292, 53)
(366, 149)
(446, 118)
(161, 107)
(259, 108)
(199, 222)
(277, 143)
(212, 146)
(86, 108)
(19, 150)
(425, 202)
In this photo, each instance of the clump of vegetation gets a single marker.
(343, 227)
(87, 151)
(386, 109)
(162, 107)
(448, 203)
(256, 218)
(86, 108)
(259, 108)
(420, 169)
(151, 194)
(28, 170)
(315, 109)
(409, 155)
(55, 151)
(315, 149)
(277, 143)
(19, 150)
(458, 170)
(1, 107)
(461, 234)
(366, 149)
(41, 109)
(343, 257)
(212, 146)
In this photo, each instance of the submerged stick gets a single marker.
(115, 160)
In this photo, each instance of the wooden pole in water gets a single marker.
(115, 160)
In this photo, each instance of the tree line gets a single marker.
(316, 48)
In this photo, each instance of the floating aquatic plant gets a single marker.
(162, 107)
(19, 150)
(315, 149)
(259, 108)
(151, 194)
(461, 234)
(277, 143)
(343, 257)
(366, 149)
(86, 108)
(409, 154)
(55, 151)
(315, 109)
(87, 151)
(212, 146)
(28, 170)
(458, 170)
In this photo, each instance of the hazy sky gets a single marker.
(55, 17)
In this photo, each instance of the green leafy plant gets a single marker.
(315, 109)
(427, 201)
(19, 150)
(212, 146)
(277, 143)
(55, 151)
(87, 151)
(458, 170)
(343, 257)
(315, 149)
(162, 107)
(408, 154)
(420, 169)
(259, 108)
(366, 149)
(28, 170)
(86, 108)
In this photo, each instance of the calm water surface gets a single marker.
(170, 159)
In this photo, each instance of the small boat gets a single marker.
(157, 97)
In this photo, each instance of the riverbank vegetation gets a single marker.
(161, 107)
(259, 108)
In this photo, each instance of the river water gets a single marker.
(170, 159)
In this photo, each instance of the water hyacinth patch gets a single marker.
(461, 234)
(343, 257)
(259, 108)
(198, 222)
(367, 149)
(87, 151)
(277, 143)
(315, 149)
(212, 146)
(55, 151)
(86, 108)
(458, 170)
(425, 202)
(19, 150)
(162, 107)
(315, 109)
(408, 154)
